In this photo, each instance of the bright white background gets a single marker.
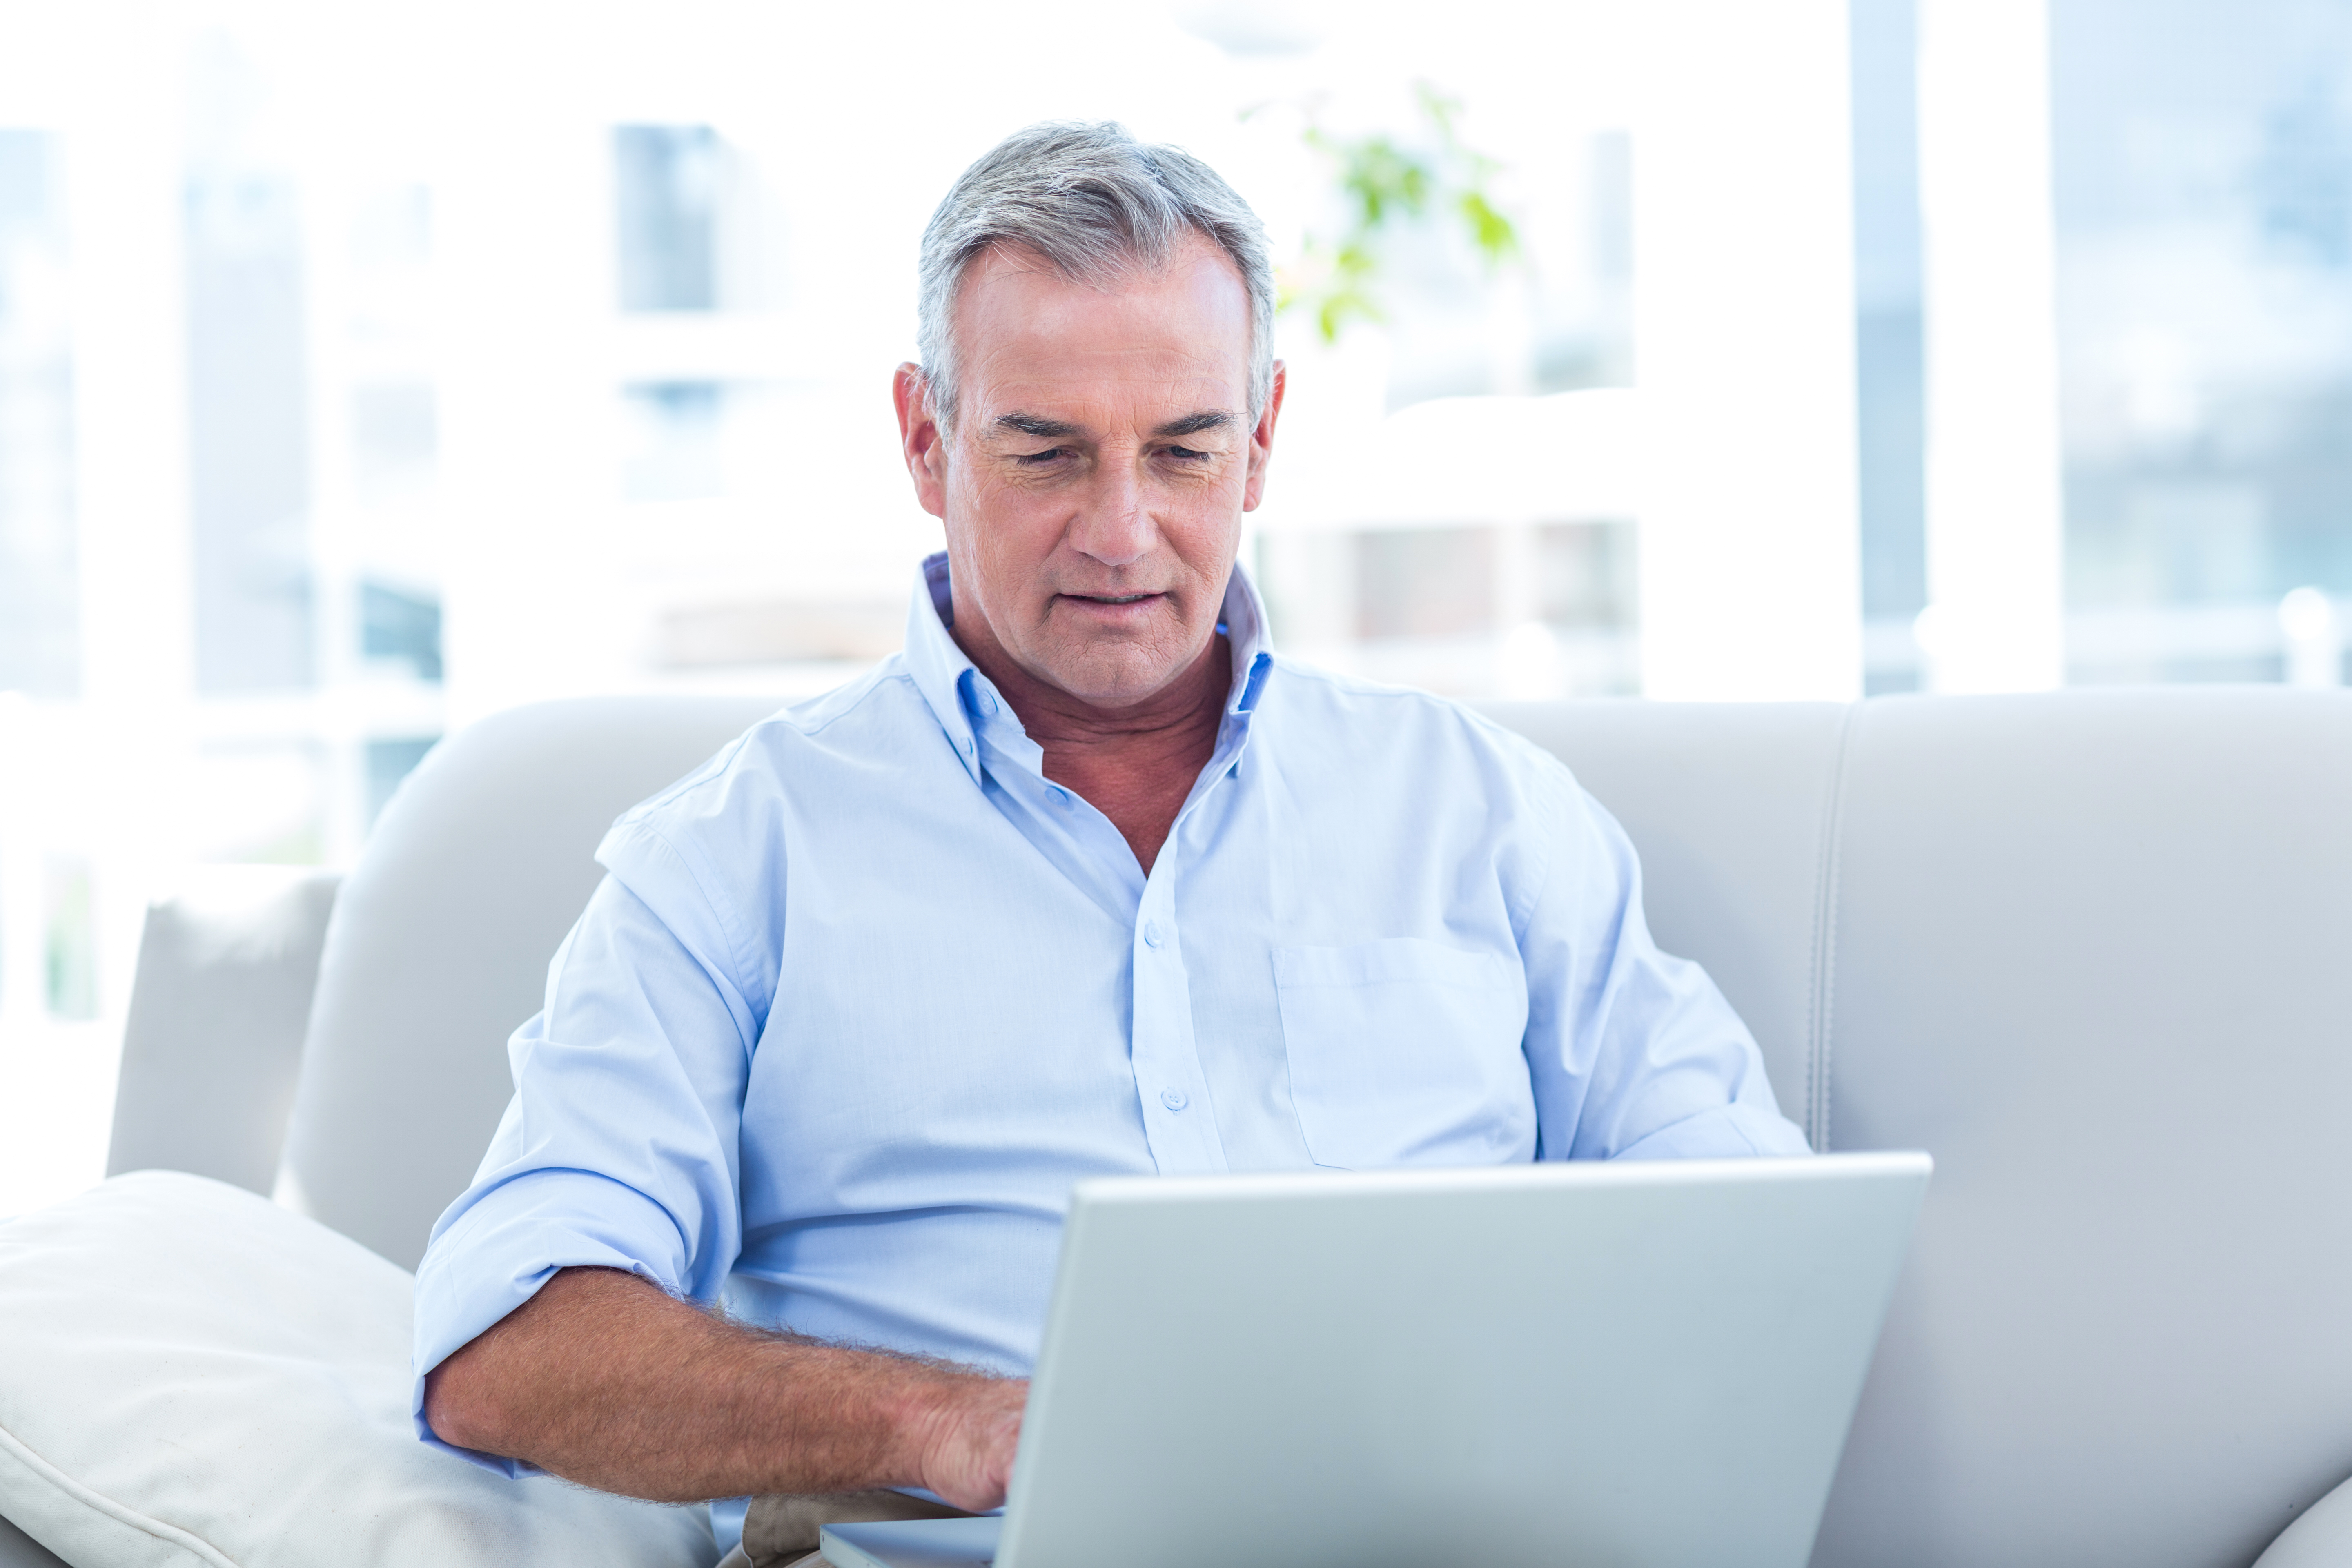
(1625, 462)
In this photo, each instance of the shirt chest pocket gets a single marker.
(1406, 1052)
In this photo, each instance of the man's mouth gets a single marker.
(1112, 598)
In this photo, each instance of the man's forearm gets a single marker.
(603, 1379)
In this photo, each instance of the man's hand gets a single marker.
(966, 1452)
(603, 1379)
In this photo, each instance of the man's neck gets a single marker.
(1135, 765)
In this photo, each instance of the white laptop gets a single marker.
(1640, 1365)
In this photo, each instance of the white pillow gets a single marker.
(2322, 1538)
(191, 1374)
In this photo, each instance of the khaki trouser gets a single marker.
(781, 1531)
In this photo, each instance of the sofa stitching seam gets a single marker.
(1825, 920)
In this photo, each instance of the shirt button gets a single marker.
(1173, 1098)
(1152, 933)
(987, 705)
(1061, 797)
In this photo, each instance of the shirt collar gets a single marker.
(952, 685)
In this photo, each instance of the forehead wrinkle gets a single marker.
(1119, 273)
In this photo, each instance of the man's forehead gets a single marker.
(1160, 350)
(1191, 251)
(1016, 296)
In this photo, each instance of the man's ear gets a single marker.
(921, 438)
(1261, 448)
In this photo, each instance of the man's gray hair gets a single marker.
(1095, 203)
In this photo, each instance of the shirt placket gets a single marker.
(1179, 1116)
(1180, 1122)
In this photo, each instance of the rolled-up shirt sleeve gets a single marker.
(1631, 1053)
(620, 1148)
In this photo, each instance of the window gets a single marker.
(248, 432)
(667, 182)
(39, 585)
(2202, 168)
(675, 441)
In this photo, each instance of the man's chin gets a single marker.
(1114, 697)
(1125, 679)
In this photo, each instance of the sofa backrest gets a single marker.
(2093, 949)
(2088, 949)
(439, 944)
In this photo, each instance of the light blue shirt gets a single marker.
(864, 995)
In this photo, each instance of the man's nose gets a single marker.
(1113, 524)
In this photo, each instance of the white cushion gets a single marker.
(2322, 1538)
(194, 1375)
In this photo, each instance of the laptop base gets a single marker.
(913, 1544)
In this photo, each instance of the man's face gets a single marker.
(1102, 456)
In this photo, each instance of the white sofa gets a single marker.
(2091, 950)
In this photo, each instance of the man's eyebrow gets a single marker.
(1035, 425)
(1038, 425)
(1194, 423)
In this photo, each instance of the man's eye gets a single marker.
(1039, 459)
(1186, 455)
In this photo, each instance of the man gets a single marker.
(1085, 881)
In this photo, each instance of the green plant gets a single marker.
(1384, 185)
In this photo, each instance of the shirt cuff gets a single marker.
(490, 1257)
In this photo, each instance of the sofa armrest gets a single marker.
(218, 1009)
